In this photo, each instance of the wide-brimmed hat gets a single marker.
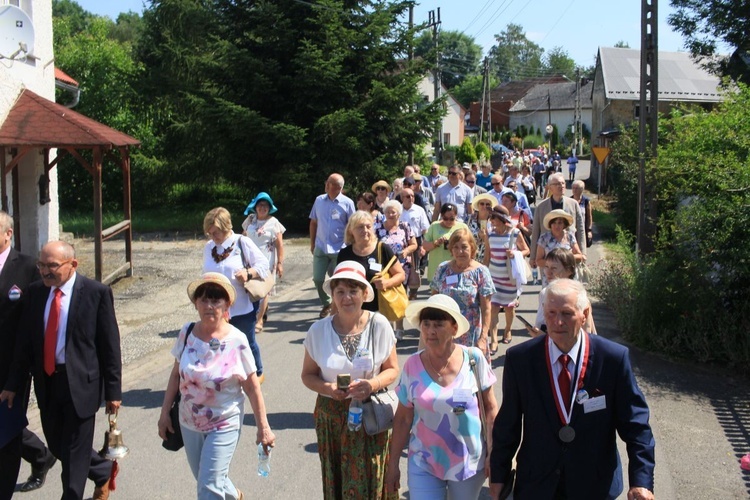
(417, 177)
(215, 278)
(499, 212)
(483, 197)
(558, 213)
(383, 184)
(262, 196)
(441, 302)
(350, 270)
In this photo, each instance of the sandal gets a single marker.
(507, 340)
(493, 351)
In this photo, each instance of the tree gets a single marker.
(558, 62)
(515, 57)
(621, 44)
(483, 151)
(459, 55)
(705, 25)
(466, 152)
(470, 90)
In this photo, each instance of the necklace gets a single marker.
(440, 372)
(218, 257)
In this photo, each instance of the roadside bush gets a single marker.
(532, 141)
(466, 152)
(483, 151)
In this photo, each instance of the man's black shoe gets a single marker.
(36, 479)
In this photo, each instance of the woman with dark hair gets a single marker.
(435, 240)
(366, 202)
(439, 413)
(361, 344)
(213, 366)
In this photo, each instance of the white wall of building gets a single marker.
(37, 223)
(453, 121)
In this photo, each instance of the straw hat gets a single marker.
(558, 213)
(215, 278)
(350, 270)
(379, 184)
(483, 197)
(441, 302)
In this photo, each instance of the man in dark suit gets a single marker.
(565, 395)
(17, 272)
(72, 348)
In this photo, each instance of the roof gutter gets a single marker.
(70, 88)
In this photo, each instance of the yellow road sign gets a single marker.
(600, 153)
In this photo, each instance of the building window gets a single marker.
(446, 138)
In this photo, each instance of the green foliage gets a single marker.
(470, 90)
(515, 57)
(533, 141)
(483, 151)
(459, 55)
(710, 26)
(690, 297)
(466, 152)
(558, 62)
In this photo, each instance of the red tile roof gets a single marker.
(63, 77)
(36, 121)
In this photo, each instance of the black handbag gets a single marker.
(174, 440)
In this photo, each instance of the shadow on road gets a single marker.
(282, 421)
(143, 398)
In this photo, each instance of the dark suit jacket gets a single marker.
(20, 271)
(92, 347)
(590, 464)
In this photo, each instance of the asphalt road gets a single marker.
(701, 419)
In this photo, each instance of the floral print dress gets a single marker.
(397, 239)
(264, 234)
(465, 288)
(211, 380)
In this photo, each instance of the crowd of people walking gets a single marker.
(470, 234)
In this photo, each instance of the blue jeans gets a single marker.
(246, 324)
(209, 455)
(425, 486)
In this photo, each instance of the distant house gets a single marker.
(616, 93)
(453, 121)
(504, 96)
(551, 103)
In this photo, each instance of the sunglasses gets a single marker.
(452, 173)
(495, 183)
(381, 188)
(470, 182)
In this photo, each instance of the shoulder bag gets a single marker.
(508, 485)
(392, 301)
(509, 263)
(380, 408)
(174, 439)
(256, 288)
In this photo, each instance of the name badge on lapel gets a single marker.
(595, 404)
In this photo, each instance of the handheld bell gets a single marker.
(114, 448)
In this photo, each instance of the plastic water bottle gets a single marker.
(535, 275)
(355, 415)
(264, 461)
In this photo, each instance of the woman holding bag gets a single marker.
(239, 259)
(363, 247)
(361, 344)
(439, 409)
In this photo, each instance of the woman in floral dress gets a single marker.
(468, 283)
(213, 366)
(268, 234)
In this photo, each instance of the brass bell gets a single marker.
(114, 448)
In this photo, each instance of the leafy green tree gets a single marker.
(483, 151)
(76, 17)
(470, 90)
(706, 25)
(466, 152)
(459, 55)
(621, 44)
(515, 57)
(277, 95)
(558, 62)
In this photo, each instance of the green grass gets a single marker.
(165, 219)
(605, 225)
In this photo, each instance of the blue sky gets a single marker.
(579, 26)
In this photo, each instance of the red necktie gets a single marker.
(564, 380)
(50, 333)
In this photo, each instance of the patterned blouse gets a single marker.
(397, 238)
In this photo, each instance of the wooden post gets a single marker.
(97, 173)
(127, 212)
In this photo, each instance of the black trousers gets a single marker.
(70, 438)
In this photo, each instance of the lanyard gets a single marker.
(580, 373)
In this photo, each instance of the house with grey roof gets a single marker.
(616, 90)
(552, 103)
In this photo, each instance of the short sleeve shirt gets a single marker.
(446, 443)
(460, 195)
(331, 216)
(211, 380)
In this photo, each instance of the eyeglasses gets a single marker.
(495, 183)
(452, 173)
(511, 185)
(407, 196)
(470, 182)
(381, 188)
(52, 266)
(556, 183)
(449, 219)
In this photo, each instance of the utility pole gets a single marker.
(549, 119)
(648, 126)
(434, 23)
(578, 144)
(484, 95)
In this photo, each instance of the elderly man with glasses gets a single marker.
(434, 178)
(456, 192)
(470, 179)
(557, 200)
